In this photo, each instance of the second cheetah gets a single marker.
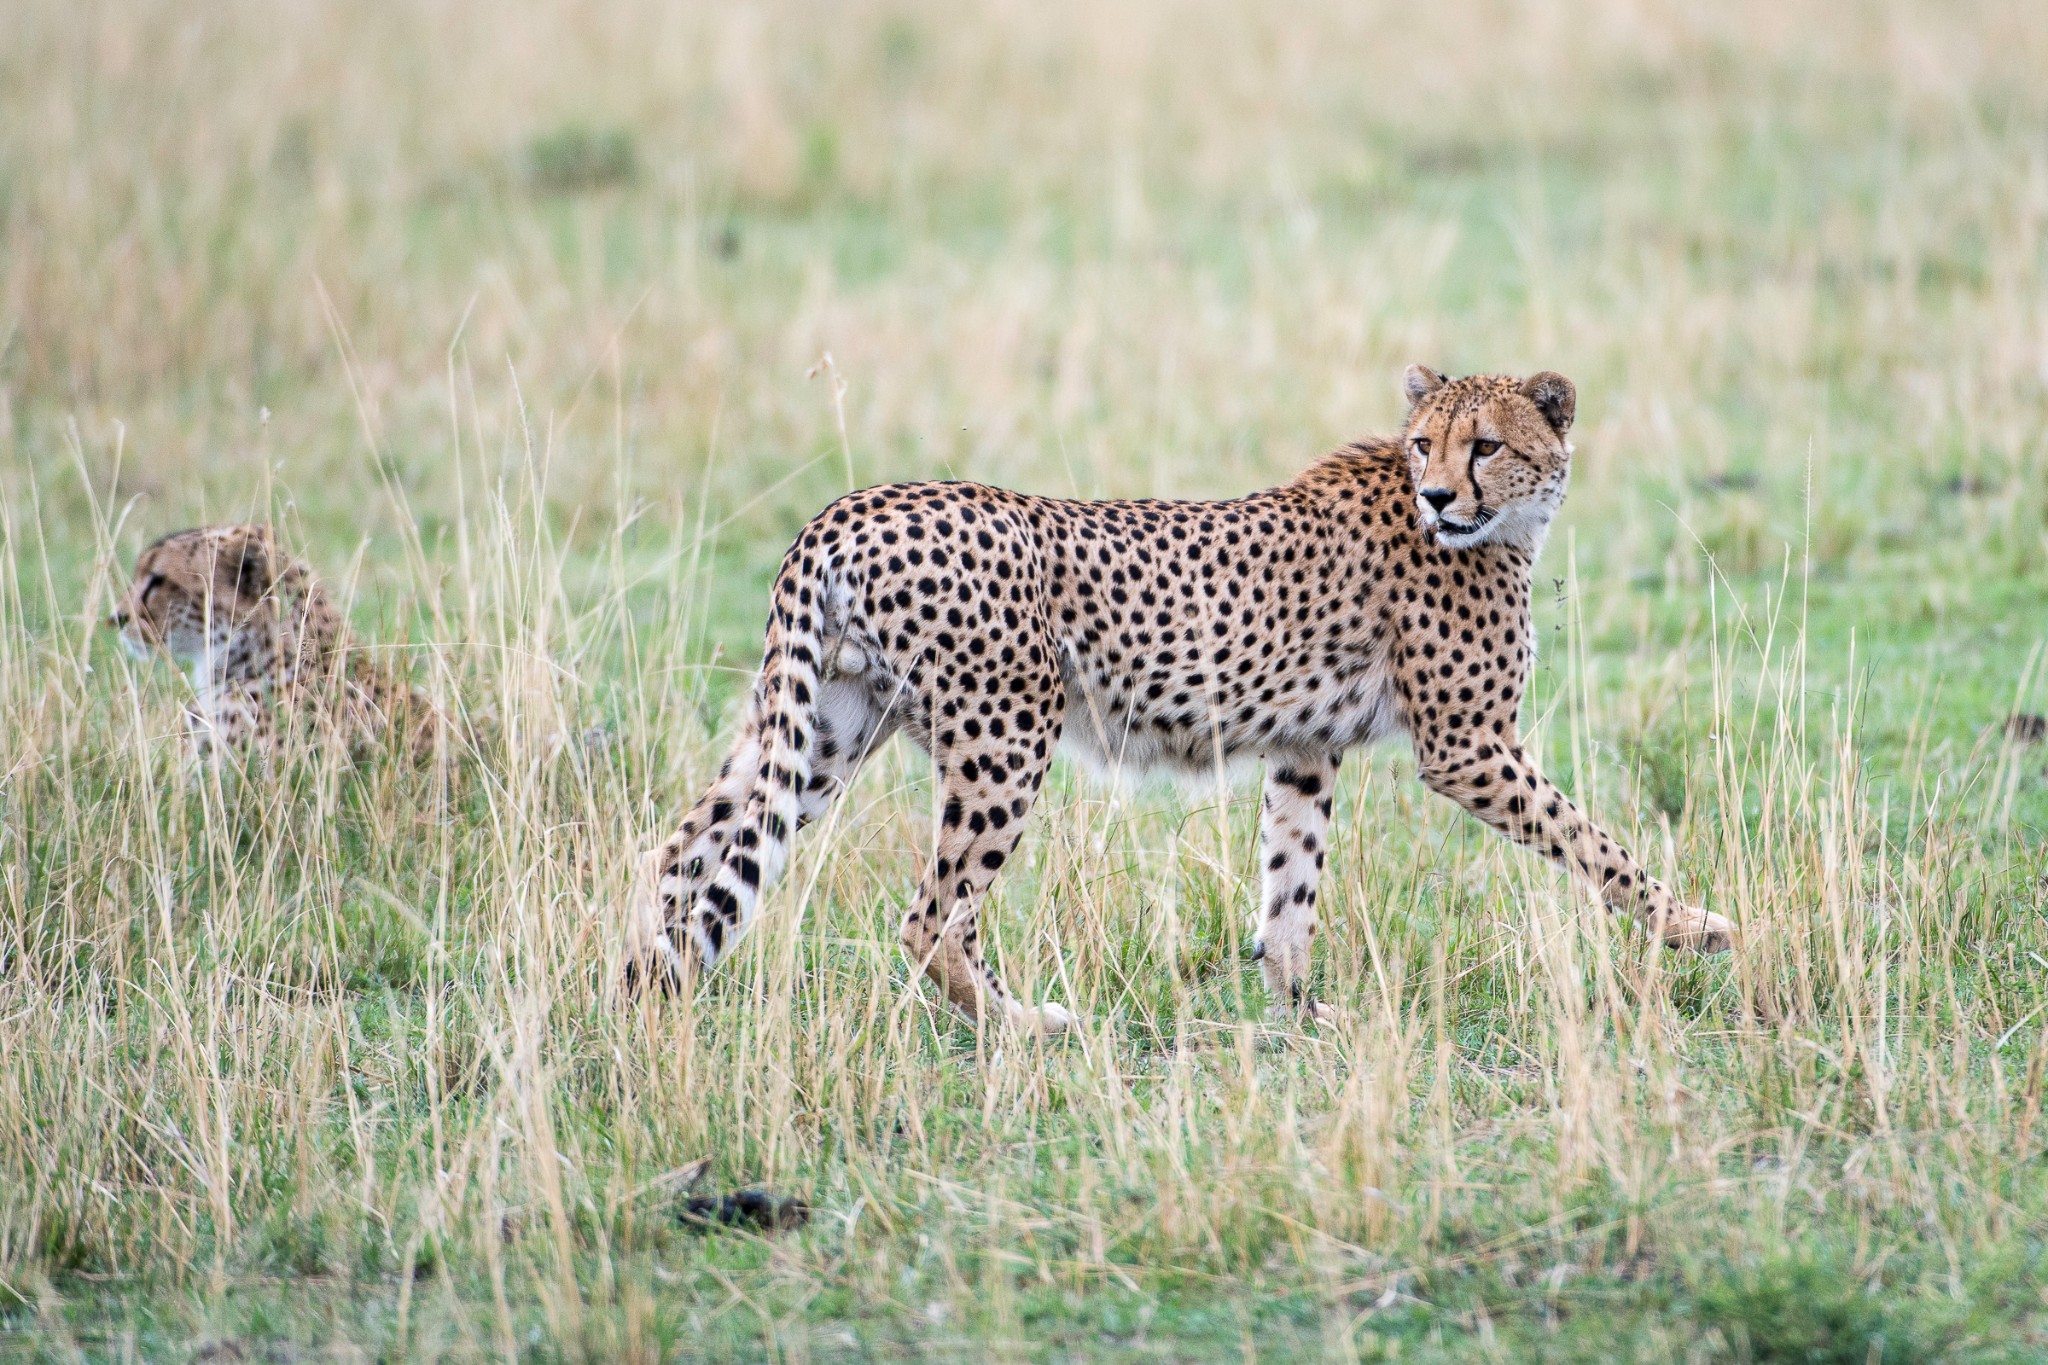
(264, 643)
(1385, 590)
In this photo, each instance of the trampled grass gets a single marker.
(515, 320)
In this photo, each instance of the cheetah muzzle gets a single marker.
(1383, 591)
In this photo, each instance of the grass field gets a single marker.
(516, 320)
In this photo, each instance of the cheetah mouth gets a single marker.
(1447, 530)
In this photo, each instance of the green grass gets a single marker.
(515, 322)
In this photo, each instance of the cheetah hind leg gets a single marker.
(672, 875)
(851, 725)
(985, 797)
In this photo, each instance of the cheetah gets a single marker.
(1383, 591)
(262, 640)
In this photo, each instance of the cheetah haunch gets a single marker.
(1384, 590)
(264, 645)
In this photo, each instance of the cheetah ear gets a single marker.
(1420, 382)
(1554, 397)
(245, 561)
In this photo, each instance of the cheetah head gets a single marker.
(1488, 454)
(193, 590)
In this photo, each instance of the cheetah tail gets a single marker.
(785, 703)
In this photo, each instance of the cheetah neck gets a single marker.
(266, 649)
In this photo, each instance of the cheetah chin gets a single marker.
(1385, 590)
(1458, 536)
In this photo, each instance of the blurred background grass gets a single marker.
(515, 320)
(1791, 256)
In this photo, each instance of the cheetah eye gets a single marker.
(1422, 446)
(1482, 449)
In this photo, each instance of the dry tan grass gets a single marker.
(341, 1059)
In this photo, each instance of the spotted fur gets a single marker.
(264, 645)
(1385, 590)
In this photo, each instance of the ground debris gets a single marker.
(756, 1209)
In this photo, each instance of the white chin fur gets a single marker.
(133, 647)
(1525, 523)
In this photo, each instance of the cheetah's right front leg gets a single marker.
(1504, 787)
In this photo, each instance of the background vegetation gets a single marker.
(517, 320)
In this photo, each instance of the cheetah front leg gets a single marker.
(1294, 820)
(1502, 786)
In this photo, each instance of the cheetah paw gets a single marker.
(658, 967)
(1312, 1012)
(1323, 1012)
(1699, 931)
(1716, 934)
(1047, 1020)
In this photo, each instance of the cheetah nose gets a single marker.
(1439, 498)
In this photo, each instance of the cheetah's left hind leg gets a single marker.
(851, 726)
(671, 876)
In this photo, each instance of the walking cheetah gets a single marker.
(261, 638)
(1384, 590)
